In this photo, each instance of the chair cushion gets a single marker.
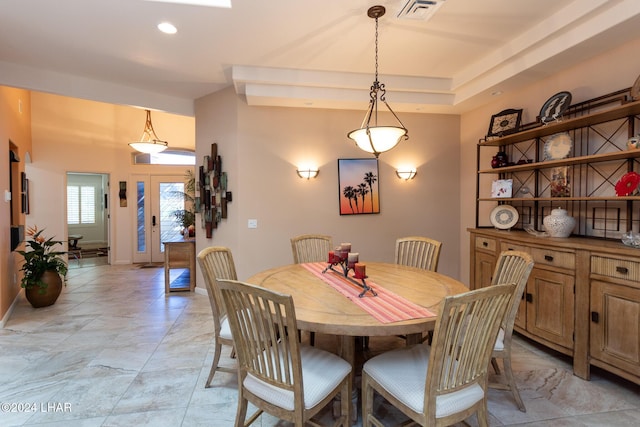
(403, 373)
(321, 373)
(225, 329)
(499, 345)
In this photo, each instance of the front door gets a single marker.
(157, 197)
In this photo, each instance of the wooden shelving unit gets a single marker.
(584, 288)
(599, 129)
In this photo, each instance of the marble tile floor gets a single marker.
(115, 351)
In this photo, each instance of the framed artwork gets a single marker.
(635, 90)
(25, 196)
(212, 198)
(502, 188)
(358, 191)
(122, 194)
(505, 122)
(560, 184)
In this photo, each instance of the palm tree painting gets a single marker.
(358, 186)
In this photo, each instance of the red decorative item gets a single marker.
(627, 184)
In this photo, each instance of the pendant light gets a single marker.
(371, 137)
(149, 142)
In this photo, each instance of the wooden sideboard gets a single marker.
(180, 254)
(582, 298)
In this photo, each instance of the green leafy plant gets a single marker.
(187, 217)
(42, 257)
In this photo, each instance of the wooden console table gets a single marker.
(180, 254)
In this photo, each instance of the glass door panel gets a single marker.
(157, 198)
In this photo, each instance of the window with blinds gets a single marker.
(81, 204)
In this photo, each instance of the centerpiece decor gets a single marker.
(342, 257)
(43, 267)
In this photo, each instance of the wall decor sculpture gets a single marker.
(358, 186)
(213, 196)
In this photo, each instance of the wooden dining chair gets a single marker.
(512, 267)
(419, 252)
(217, 263)
(276, 373)
(416, 251)
(446, 382)
(311, 248)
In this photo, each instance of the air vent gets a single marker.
(421, 10)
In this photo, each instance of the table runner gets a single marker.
(387, 307)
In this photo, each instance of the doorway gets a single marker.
(157, 197)
(88, 218)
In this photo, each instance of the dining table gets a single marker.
(320, 308)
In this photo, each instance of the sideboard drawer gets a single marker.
(486, 243)
(555, 258)
(617, 268)
(508, 246)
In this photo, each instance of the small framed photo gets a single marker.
(505, 122)
(501, 188)
(560, 185)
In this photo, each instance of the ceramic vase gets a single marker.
(559, 223)
(499, 160)
(49, 295)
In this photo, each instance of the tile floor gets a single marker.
(115, 351)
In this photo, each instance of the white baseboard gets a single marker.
(7, 315)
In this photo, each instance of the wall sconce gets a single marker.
(407, 173)
(307, 173)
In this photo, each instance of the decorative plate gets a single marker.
(504, 217)
(558, 146)
(627, 184)
(635, 90)
(555, 107)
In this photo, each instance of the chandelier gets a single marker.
(371, 137)
(149, 142)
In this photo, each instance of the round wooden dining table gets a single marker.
(320, 308)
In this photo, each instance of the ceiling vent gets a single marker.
(421, 10)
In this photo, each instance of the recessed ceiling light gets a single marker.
(496, 93)
(167, 28)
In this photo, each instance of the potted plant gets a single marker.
(43, 267)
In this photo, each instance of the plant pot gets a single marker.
(44, 298)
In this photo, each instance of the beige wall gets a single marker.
(615, 70)
(261, 148)
(15, 126)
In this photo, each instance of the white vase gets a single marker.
(559, 223)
